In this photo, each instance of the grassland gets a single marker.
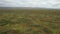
(19, 21)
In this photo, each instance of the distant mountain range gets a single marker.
(26, 8)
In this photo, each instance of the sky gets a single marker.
(30, 3)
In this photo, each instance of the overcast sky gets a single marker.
(30, 3)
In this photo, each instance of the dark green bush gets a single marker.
(47, 31)
(4, 22)
(10, 32)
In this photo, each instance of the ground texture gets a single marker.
(30, 22)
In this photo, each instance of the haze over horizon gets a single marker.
(31, 3)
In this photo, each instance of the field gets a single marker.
(17, 21)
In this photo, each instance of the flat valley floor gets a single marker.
(29, 21)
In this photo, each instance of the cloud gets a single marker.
(30, 3)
